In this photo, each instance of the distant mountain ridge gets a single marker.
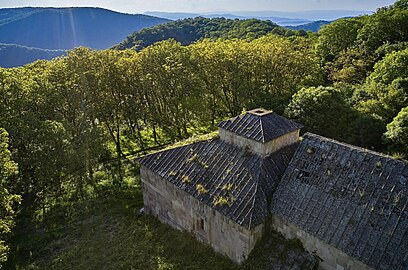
(12, 55)
(67, 28)
(311, 15)
(181, 15)
(313, 26)
(279, 17)
(11, 14)
(31, 33)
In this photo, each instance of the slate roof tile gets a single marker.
(259, 125)
(351, 198)
(227, 172)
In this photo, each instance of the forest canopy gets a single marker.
(190, 30)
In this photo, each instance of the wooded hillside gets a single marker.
(71, 27)
(189, 30)
(29, 34)
(12, 55)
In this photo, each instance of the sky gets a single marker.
(140, 6)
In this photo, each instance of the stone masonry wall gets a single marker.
(262, 149)
(182, 211)
(333, 259)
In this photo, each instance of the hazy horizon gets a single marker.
(207, 6)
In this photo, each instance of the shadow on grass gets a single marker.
(106, 231)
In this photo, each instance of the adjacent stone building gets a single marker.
(346, 204)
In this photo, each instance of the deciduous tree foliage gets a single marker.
(8, 169)
(393, 66)
(397, 131)
(337, 37)
(349, 48)
(190, 30)
(387, 86)
(68, 117)
(329, 111)
(388, 24)
(264, 72)
(322, 110)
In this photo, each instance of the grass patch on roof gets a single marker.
(194, 139)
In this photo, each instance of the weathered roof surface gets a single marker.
(233, 181)
(260, 125)
(350, 198)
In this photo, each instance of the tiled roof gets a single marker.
(259, 125)
(225, 177)
(350, 198)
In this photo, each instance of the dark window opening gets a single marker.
(310, 150)
(259, 111)
(200, 224)
(302, 174)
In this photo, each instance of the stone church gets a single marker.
(346, 204)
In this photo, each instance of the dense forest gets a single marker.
(73, 125)
(189, 30)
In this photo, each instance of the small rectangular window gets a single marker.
(201, 224)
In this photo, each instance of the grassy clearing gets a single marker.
(107, 232)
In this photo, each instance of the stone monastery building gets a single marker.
(346, 204)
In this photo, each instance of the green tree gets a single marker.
(36, 137)
(366, 130)
(351, 65)
(227, 69)
(109, 100)
(397, 131)
(190, 30)
(329, 111)
(134, 102)
(387, 86)
(393, 66)
(8, 170)
(174, 92)
(322, 110)
(247, 74)
(281, 68)
(73, 86)
(337, 37)
(388, 24)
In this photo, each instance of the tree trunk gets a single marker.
(155, 135)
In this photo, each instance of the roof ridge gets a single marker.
(267, 126)
(159, 151)
(355, 147)
(262, 129)
(258, 173)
